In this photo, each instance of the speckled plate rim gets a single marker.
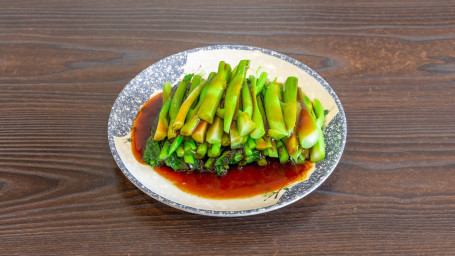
(323, 169)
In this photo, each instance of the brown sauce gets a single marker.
(242, 182)
(143, 123)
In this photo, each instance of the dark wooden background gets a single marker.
(63, 63)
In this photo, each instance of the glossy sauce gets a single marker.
(143, 123)
(242, 182)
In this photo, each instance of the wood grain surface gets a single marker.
(63, 63)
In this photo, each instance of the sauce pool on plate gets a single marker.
(247, 181)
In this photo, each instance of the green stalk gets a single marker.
(193, 110)
(202, 149)
(274, 113)
(233, 93)
(176, 103)
(317, 152)
(220, 112)
(261, 82)
(238, 156)
(236, 140)
(188, 158)
(209, 163)
(180, 151)
(307, 130)
(200, 131)
(234, 71)
(164, 153)
(225, 140)
(167, 90)
(319, 112)
(273, 151)
(215, 150)
(292, 144)
(162, 127)
(197, 79)
(175, 144)
(178, 96)
(257, 117)
(290, 98)
(189, 127)
(185, 107)
(247, 101)
(247, 150)
(283, 154)
(262, 111)
(251, 143)
(214, 93)
(307, 102)
(263, 143)
(189, 146)
(215, 131)
(262, 161)
(244, 124)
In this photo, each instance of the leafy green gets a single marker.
(151, 153)
(256, 155)
(176, 162)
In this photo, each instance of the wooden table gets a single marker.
(63, 63)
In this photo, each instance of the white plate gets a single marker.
(203, 61)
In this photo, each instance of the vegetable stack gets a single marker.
(231, 119)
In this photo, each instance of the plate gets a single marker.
(203, 61)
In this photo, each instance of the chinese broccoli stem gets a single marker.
(163, 123)
(233, 93)
(185, 107)
(274, 113)
(214, 93)
(176, 103)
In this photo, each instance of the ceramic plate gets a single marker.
(203, 61)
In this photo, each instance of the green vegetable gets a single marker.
(176, 103)
(247, 101)
(236, 139)
(210, 125)
(244, 124)
(167, 90)
(197, 79)
(200, 131)
(233, 93)
(162, 127)
(214, 93)
(188, 158)
(185, 107)
(180, 151)
(274, 113)
(202, 149)
(290, 99)
(193, 110)
(176, 163)
(283, 154)
(319, 112)
(190, 126)
(175, 144)
(258, 120)
(215, 150)
(215, 131)
(151, 153)
(317, 152)
(189, 146)
(261, 82)
(164, 153)
(307, 130)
